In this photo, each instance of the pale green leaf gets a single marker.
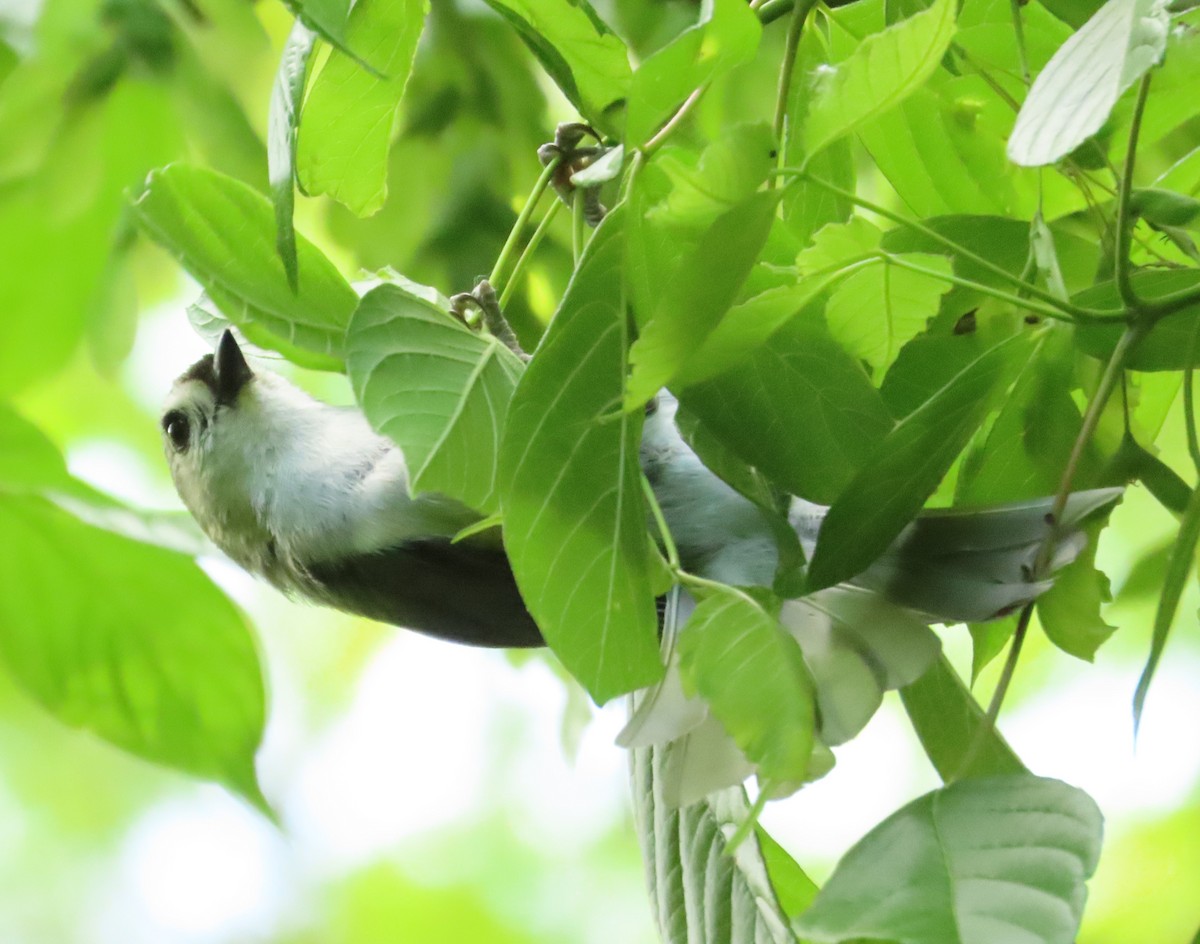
(981, 861)
(885, 69)
(702, 890)
(1071, 97)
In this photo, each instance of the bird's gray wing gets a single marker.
(463, 592)
(968, 565)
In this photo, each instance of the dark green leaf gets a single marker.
(988, 641)
(1074, 94)
(947, 719)
(727, 33)
(983, 860)
(925, 365)
(223, 233)
(701, 292)
(570, 486)
(907, 466)
(586, 60)
(282, 121)
(348, 115)
(799, 408)
(439, 390)
(1168, 345)
(752, 674)
(164, 668)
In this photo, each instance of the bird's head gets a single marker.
(207, 427)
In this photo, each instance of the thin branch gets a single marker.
(1124, 223)
(527, 252)
(514, 235)
(799, 14)
(1074, 311)
(675, 121)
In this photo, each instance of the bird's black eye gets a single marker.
(175, 424)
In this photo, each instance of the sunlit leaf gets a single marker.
(1073, 95)
(885, 69)
(223, 233)
(439, 390)
(701, 292)
(753, 676)
(726, 34)
(348, 115)
(879, 309)
(972, 863)
(570, 486)
(164, 668)
(587, 61)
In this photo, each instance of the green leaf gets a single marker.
(925, 365)
(941, 155)
(1168, 346)
(702, 890)
(1000, 858)
(570, 486)
(1165, 207)
(331, 20)
(885, 69)
(799, 408)
(807, 207)
(130, 641)
(752, 674)
(701, 292)
(586, 60)
(1071, 97)
(223, 233)
(857, 645)
(877, 310)
(907, 466)
(947, 720)
(348, 115)
(283, 118)
(988, 641)
(1070, 610)
(793, 888)
(1179, 571)
(726, 34)
(437, 389)
(839, 245)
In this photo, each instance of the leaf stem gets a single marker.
(800, 13)
(675, 121)
(1083, 315)
(527, 252)
(514, 235)
(988, 723)
(1124, 223)
(660, 522)
(1189, 395)
(578, 222)
(1027, 303)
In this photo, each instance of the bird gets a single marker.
(311, 498)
